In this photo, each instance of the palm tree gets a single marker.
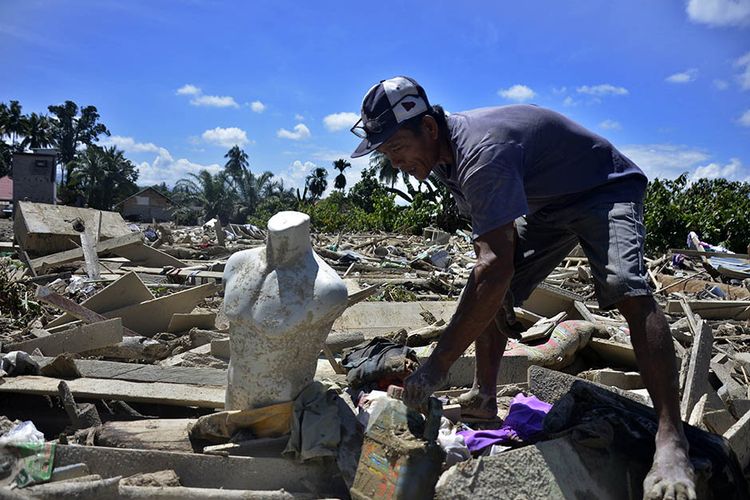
(71, 130)
(387, 174)
(237, 164)
(213, 193)
(37, 131)
(317, 182)
(12, 121)
(340, 165)
(103, 175)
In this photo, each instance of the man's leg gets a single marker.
(481, 401)
(612, 236)
(671, 475)
(542, 242)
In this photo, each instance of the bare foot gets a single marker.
(477, 405)
(671, 476)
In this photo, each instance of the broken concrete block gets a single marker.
(696, 382)
(378, 318)
(42, 229)
(614, 353)
(555, 469)
(152, 479)
(166, 434)
(80, 338)
(182, 322)
(205, 471)
(615, 378)
(551, 386)
(718, 421)
(739, 439)
(739, 407)
(461, 374)
(220, 348)
(132, 348)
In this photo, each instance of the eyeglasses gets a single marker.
(375, 125)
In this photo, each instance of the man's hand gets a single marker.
(420, 385)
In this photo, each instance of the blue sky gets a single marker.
(179, 82)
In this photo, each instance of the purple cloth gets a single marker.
(524, 422)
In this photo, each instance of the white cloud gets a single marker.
(300, 132)
(299, 117)
(569, 101)
(257, 106)
(129, 145)
(610, 125)
(744, 120)
(744, 78)
(720, 84)
(164, 168)
(214, 101)
(715, 170)
(683, 77)
(602, 89)
(340, 121)
(226, 137)
(719, 12)
(188, 89)
(518, 93)
(294, 175)
(664, 160)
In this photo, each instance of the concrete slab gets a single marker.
(551, 386)
(77, 339)
(378, 318)
(739, 439)
(556, 469)
(205, 471)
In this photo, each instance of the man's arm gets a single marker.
(482, 296)
(481, 299)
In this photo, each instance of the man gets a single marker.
(535, 184)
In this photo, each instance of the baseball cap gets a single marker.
(385, 107)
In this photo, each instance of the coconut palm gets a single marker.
(317, 182)
(11, 121)
(213, 193)
(103, 176)
(237, 164)
(340, 165)
(37, 132)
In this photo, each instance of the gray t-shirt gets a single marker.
(513, 160)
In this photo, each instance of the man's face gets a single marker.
(414, 154)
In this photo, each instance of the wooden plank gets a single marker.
(127, 290)
(182, 322)
(77, 339)
(84, 314)
(706, 253)
(92, 388)
(714, 309)
(183, 273)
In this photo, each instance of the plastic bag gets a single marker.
(23, 433)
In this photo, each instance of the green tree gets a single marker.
(104, 176)
(340, 181)
(212, 193)
(37, 132)
(317, 182)
(11, 121)
(71, 129)
(237, 165)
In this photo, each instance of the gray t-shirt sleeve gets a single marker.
(494, 189)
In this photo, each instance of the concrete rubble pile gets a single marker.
(115, 355)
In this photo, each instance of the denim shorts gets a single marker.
(611, 234)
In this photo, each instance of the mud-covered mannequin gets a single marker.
(280, 301)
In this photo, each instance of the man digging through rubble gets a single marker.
(535, 184)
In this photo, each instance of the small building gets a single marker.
(34, 176)
(6, 190)
(145, 205)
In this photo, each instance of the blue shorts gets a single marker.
(610, 232)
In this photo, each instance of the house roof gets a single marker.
(143, 191)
